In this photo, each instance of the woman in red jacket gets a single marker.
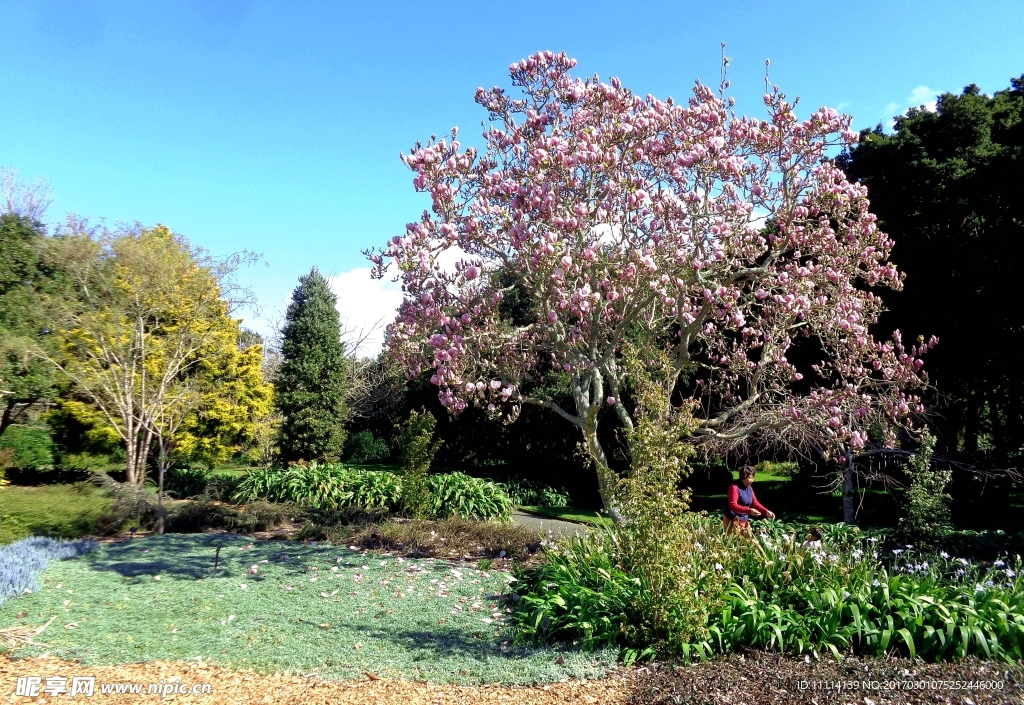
(741, 504)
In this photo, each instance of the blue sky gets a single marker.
(276, 126)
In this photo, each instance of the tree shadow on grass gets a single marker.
(453, 641)
(195, 556)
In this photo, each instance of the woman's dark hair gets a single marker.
(747, 471)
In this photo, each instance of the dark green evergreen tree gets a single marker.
(948, 186)
(28, 292)
(309, 389)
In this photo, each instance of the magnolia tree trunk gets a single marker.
(849, 515)
(605, 475)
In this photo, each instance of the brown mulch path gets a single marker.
(244, 687)
(756, 678)
(760, 678)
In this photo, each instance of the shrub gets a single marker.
(791, 598)
(579, 593)
(456, 494)
(927, 502)
(221, 488)
(447, 538)
(364, 448)
(526, 493)
(418, 450)
(780, 469)
(189, 517)
(27, 448)
(186, 482)
(21, 562)
(133, 504)
(328, 486)
(333, 487)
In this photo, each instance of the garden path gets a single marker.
(545, 524)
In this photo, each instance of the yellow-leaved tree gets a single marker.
(149, 339)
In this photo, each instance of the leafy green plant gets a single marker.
(796, 598)
(579, 593)
(927, 502)
(187, 482)
(221, 488)
(525, 493)
(364, 447)
(460, 495)
(418, 450)
(327, 486)
(779, 469)
(27, 448)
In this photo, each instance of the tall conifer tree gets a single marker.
(310, 385)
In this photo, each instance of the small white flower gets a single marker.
(897, 551)
(944, 555)
(875, 583)
(1011, 573)
(846, 593)
(718, 566)
(1000, 564)
(963, 561)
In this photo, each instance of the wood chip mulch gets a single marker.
(760, 678)
(242, 687)
(753, 679)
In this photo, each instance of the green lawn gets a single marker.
(322, 609)
(57, 510)
(581, 516)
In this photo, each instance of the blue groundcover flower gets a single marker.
(22, 561)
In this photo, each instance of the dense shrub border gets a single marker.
(843, 594)
(336, 486)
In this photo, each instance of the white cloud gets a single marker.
(366, 304)
(923, 95)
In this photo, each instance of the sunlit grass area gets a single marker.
(285, 606)
(57, 510)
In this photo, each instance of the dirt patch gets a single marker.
(242, 687)
(760, 678)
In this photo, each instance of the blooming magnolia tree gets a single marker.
(729, 238)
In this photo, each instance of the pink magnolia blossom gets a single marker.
(612, 210)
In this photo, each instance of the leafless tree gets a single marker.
(29, 200)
